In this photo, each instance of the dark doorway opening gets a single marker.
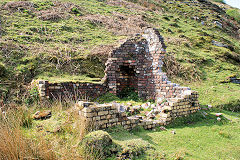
(127, 81)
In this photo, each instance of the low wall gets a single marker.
(178, 107)
(107, 115)
(103, 116)
(70, 90)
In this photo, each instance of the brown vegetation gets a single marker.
(118, 23)
(129, 5)
(15, 146)
(19, 6)
(173, 69)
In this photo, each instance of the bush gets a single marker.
(134, 148)
(26, 119)
(32, 96)
(98, 145)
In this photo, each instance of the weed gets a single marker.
(32, 96)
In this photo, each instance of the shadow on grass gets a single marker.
(233, 106)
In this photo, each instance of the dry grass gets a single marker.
(57, 11)
(128, 5)
(173, 68)
(15, 146)
(118, 23)
(50, 15)
(18, 6)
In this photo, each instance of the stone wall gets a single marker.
(143, 55)
(108, 115)
(70, 90)
(102, 116)
(178, 107)
(138, 65)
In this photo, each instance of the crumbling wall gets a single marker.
(70, 90)
(108, 115)
(136, 64)
(145, 55)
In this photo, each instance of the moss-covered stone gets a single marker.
(99, 143)
(134, 148)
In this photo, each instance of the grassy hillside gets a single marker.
(70, 40)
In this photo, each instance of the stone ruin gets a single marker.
(137, 65)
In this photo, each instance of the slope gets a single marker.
(70, 40)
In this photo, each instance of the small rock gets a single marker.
(129, 104)
(42, 114)
(218, 114)
(148, 104)
(219, 44)
(122, 108)
(162, 128)
(145, 106)
(173, 132)
(153, 106)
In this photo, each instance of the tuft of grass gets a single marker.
(14, 144)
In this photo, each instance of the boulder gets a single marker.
(45, 114)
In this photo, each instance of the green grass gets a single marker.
(234, 13)
(65, 50)
(197, 136)
(70, 78)
(204, 139)
(220, 1)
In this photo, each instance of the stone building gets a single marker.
(138, 64)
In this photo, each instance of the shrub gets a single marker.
(26, 119)
(98, 144)
(134, 148)
(32, 96)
